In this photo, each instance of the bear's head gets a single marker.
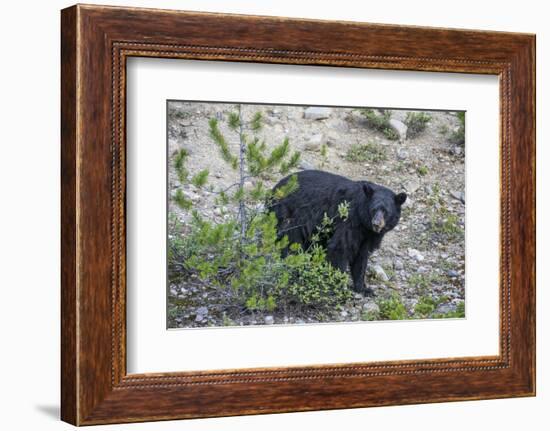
(382, 208)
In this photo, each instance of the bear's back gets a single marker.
(319, 181)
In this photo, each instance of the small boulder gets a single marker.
(444, 308)
(459, 196)
(402, 154)
(332, 139)
(317, 113)
(399, 127)
(412, 186)
(379, 273)
(315, 142)
(202, 313)
(305, 165)
(398, 265)
(415, 254)
(371, 308)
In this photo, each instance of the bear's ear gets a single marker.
(400, 198)
(367, 188)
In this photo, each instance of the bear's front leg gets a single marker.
(358, 270)
(337, 253)
(337, 258)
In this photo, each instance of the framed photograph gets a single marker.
(318, 215)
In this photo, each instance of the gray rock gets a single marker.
(412, 186)
(444, 308)
(399, 115)
(317, 113)
(305, 165)
(379, 273)
(415, 254)
(339, 126)
(459, 196)
(422, 270)
(191, 195)
(452, 273)
(398, 265)
(344, 314)
(332, 139)
(269, 320)
(315, 142)
(457, 150)
(402, 154)
(399, 127)
(202, 311)
(300, 321)
(371, 307)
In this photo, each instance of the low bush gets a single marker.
(416, 123)
(380, 122)
(458, 136)
(369, 152)
(392, 308)
(255, 272)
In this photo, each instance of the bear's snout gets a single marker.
(378, 221)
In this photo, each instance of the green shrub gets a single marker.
(380, 122)
(392, 308)
(443, 223)
(182, 201)
(459, 313)
(458, 136)
(369, 152)
(313, 281)
(422, 170)
(416, 123)
(423, 282)
(425, 306)
(253, 272)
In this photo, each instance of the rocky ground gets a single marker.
(421, 262)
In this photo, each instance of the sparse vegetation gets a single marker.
(324, 156)
(458, 313)
(425, 306)
(422, 170)
(442, 222)
(380, 122)
(424, 281)
(369, 152)
(392, 308)
(416, 123)
(458, 136)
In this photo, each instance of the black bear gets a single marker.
(374, 210)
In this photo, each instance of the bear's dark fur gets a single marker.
(373, 211)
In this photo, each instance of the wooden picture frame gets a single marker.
(95, 43)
